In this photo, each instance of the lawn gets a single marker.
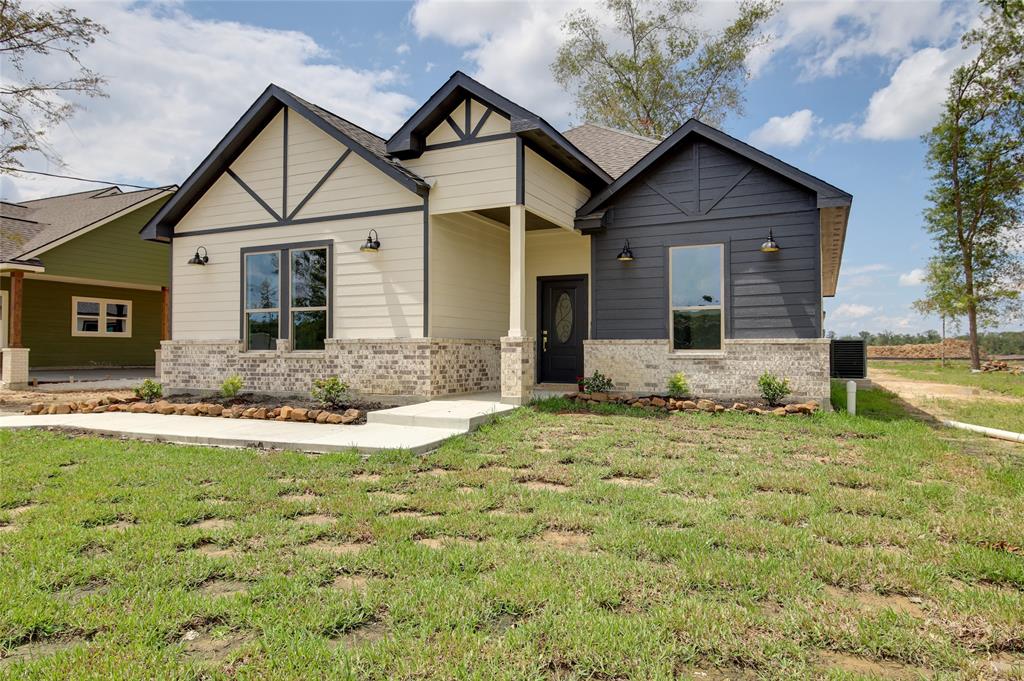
(547, 545)
(1002, 415)
(956, 372)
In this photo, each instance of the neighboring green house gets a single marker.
(78, 288)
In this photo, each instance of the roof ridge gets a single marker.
(95, 193)
(627, 133)
(328, 111)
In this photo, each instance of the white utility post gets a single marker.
(851, 397)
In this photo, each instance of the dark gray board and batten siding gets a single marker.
(767, 295)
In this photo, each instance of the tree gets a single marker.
(669, 70)
(29, 106)
(976, 156)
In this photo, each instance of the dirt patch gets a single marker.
(565, 540)
(8, 528)
(19, 401)
(207, 648)
(723, 674)
(337, 548)
(36, 650)
(216, 551)
(118, 525)
(223, 587)
(364, 634)
(350, 583)
(544, 485)
(317, 519)
(217, 501)
(88, 589)
(269, 402)
(504, 513)
(300, 498)
(626, 481)
(393, 497)
(866, 667)
(212, 524)
(23, 508)
(874, 602)
(463, 489)
(430, 542)
(366, 477)
(289, 481)
(1004, 664)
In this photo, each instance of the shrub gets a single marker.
(149, 390)
(231, 386)
(773, 389)
(330, 392)
(677, 386)
(598, 383)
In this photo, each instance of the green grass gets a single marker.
(1003, 415)
(956, 372)
(547, 545)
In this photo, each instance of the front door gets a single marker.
(563, 326)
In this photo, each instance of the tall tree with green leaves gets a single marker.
(656, 69)
(29, 106)
(976, 157)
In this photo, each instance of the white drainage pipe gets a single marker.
(991, 432)
(851, 398)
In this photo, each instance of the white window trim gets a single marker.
(258, 310)
(102, 330)
(291, 295)
(721, 306)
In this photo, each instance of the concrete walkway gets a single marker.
(416, 428)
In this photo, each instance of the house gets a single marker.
(480, 249)
(79, 289)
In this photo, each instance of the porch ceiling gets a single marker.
(534, 222)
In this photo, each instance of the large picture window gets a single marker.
(696, 289)
(287, 295)
(101, 317)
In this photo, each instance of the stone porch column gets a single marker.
(517, 352)
(13, 368)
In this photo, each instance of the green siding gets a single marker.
(46, 326)
(114, 252)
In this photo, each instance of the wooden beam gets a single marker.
(165, 317)
(17, 295)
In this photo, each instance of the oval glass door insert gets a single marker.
(563, 318)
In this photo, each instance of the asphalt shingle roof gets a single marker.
(616, 151)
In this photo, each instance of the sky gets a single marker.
(843, 91)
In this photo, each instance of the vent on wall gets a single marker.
(848, 359)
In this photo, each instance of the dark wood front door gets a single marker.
(563, 326)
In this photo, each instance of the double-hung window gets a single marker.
(101, 317)
(696, 290)
(287, 295)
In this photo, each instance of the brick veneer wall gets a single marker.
(644, 366)
(517, 369)
(422, 368)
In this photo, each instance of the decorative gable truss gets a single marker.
(471, 121)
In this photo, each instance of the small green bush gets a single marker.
(149, 390)
(330, 392)
(231, 386)
(773, 388)
(677, 386)
(597, 383)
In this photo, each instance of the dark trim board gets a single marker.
(251, 192)
(303, 221)
(320, 183)
(470, 140)
(284, 170)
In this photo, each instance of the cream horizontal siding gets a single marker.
(469, 176)
(358, 186)
(550, 193)
(311, 153)
(225, 204)
(469, 277)
(375, 295)
(551, 252)
(496, 124)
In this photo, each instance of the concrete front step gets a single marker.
(464, 413)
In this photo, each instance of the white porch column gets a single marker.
(517, 351)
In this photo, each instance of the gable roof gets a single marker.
(30, 228)
(828, 195)
(361, 141)
(614, 150)
(409, 140)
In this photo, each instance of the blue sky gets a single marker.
(843, 93)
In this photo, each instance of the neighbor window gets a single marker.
(101, 317)
(696, 290)
(287, 296)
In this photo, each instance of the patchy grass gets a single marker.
(956, 372)
(547, 545)
(1003, 415)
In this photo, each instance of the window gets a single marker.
(101, 317)
(286, 296)
(696, 292)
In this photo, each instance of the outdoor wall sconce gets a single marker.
(372, 244)
(199, 259)
(770, 246)
(625, 255)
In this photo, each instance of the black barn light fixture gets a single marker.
(199, 259)
(770, 246)
(372, 244)
(626, 254)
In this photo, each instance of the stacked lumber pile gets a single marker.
(955, 349)
(998, 365)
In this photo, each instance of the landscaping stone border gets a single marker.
(137, 406)
(673, 405)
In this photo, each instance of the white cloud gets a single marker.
(785, 131)
(910, 104)
(852, 311)
(185, 84)
(865, 269)
(428, 67)
(912, 278)
(402, 49)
